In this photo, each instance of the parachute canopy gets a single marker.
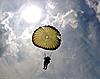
(46, 37)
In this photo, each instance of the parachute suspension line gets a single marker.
(50, 54)
(44, 54)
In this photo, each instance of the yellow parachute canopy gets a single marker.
(46, 37)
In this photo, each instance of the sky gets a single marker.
(78, 56)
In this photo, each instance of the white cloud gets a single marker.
(92, 4)
(98, 11)
(69, 18)
(9, 38)
(51, 5)
(3, 16)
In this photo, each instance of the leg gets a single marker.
(44, 65)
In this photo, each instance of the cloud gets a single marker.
(8, 44)
(70, 18)
(62, 20)
(98, 10)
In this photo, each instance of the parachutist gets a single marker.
(46, 62)
(46, 37)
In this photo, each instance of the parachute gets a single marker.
(46, 37)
